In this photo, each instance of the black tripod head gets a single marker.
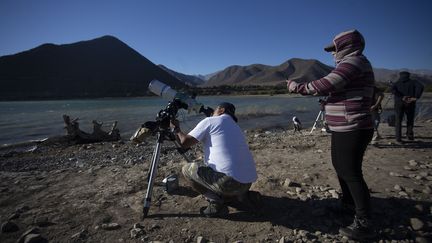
(164, 117)
(169, 113)
(322, 101)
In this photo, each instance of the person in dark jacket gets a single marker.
(406, 91)
(376, 110)
(349, 88)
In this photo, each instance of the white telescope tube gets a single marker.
(161, 89)
(166, 92)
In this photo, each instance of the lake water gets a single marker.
(32, 120)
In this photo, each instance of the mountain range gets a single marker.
(107, 67)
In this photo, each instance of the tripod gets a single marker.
(161, 127)
(320, 117)
(319, 120)
(162, 134)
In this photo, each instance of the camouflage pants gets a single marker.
(216, 182)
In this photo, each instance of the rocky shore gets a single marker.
(52, 191)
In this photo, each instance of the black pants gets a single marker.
(347, 150)
(401, 109)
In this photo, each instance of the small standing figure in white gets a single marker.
(297, 124)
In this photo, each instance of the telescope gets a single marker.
(184, 100)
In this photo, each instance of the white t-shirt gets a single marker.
(225, 148)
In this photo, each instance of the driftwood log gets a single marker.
(74, 133)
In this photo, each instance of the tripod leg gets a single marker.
(153, 171)
(151, 165)
(315, 123)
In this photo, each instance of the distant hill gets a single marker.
(298, 69)
(259, 74)
(190, 80)
(384, 76)
(102, 67)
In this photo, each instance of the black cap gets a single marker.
(330, 47)
(229, 109)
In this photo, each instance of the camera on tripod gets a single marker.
(178, 100)
(166, 115)
(184, 100)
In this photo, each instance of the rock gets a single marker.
(110, 226)
(82, 235)
(201, 239)
(8, 227)
(137, 231)
(412, 163)
(419, 208)
(34, 238)
(410, 190)
(31, 231)
(287, 183)
(420, 239)
(334, 193)
(416, 224)
(395, 174)
(398, 188)
(282, 240)
(408, 168)
(155, 227)
(298, 190)
(424, 174)
(427, 190)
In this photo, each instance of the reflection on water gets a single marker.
(27, 120)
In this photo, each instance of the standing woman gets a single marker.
(349, 88)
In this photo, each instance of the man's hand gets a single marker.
(186, 141)
(175, 124)
(408, 99)
(292, 86)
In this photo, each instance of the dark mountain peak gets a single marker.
(107, 37)
(100, 67)
(46, 45)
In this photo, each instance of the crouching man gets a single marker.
(228, 169)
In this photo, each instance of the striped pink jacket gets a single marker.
(349, 86)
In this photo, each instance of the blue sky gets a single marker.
(201, 37)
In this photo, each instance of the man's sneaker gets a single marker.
(360, 229)
(410, 137)
(214, 209)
